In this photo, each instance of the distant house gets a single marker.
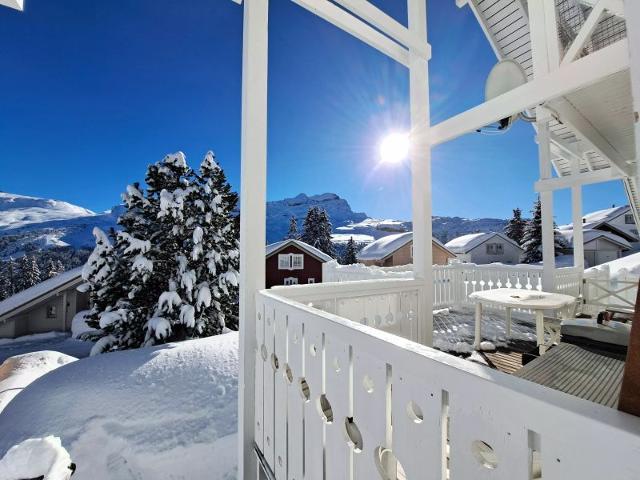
(617, 220)
(47, 306)
(599, 246)
(395, 250)
(292, 262)
(482, 248)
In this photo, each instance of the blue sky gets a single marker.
(91, 92)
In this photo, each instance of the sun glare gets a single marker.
(394, 148)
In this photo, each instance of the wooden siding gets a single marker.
(312, 268)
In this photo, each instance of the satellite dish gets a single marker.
(504, 77)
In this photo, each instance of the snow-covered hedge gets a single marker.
(334, 272)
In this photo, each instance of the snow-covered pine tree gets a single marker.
(515, 226)
(292, 234)
(317, 231)
(8, 278)
(176, 259)
(350, 254)
(54, 268)
(29, 272)
(532, 238)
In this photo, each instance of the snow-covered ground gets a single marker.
(16, 373)
(53, 341)
(165, 412)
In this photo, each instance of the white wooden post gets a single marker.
(576, 217)
(632, 19)
(542, 38)
(420, 153)
(253, 195)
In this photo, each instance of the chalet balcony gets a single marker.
(344, 389)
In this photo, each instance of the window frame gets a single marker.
(291, 261)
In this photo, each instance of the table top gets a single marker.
(521, 298)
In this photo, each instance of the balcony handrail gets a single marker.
(460, 403)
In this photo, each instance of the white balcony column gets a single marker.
(632, 19)
(420, 153)
(253, 195)
(546, 200)
(576, 216)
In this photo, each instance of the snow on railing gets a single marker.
(340, 400)
(391, 305)
(603, 290)
(334, 272)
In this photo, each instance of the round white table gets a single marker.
(539, 302)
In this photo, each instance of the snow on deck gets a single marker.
(454, 331)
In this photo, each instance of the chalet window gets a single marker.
(628, 219)
(51, 311)
(291, 281)
(495, 249)
(311, 280)
(290, 261)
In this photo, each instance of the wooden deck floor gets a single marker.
(581, 371)
(504, 360)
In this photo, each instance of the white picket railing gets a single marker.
(339, 400)
(601, 290)
(391, 305)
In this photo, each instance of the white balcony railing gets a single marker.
(336, 400)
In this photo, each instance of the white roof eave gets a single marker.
(17, 4)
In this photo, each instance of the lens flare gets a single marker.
(394, 148)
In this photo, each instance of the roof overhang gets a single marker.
(31, 302)
(17, 4)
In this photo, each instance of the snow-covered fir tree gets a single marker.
(532, 238)
(54, 267)
(350, 253)
(172, 272)
(292, 234)
(7, 279)
(29, 272)
(515, 226)
(317, 231)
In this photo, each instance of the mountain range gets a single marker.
(31, 223)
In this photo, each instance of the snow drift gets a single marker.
(17, 372)
(165, 412)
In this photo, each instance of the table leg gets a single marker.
(540, 332)
(476, 343)
(508, 315)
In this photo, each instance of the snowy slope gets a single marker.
(19, 210)
(280, 212)
(165, 412)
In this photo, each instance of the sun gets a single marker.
(394, 148)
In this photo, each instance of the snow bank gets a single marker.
(37, 457)
(165, 412)
(629, 265)
(18, 372)
(32, 337)
(334, 272)
(79, 324)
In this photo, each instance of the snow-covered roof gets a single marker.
(466, 243)
(597, 218)
(40, 291)
(385, 246)
(591, 234)
(273, 248)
